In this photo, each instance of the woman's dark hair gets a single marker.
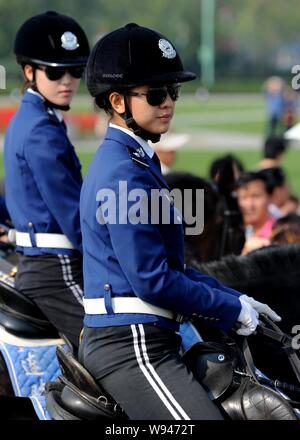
(286, 230)
(274, 146)
(252, 176)
(222, 163)
(275, 175)
(103, 102)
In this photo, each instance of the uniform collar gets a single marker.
(164, 169)
(144, 144)
(136, 151)
(57, 112)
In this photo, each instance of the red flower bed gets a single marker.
(6, 113)
(85, 123)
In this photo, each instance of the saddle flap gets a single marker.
(76, 374)
(66, 402)
(253, 401)
(54, 403)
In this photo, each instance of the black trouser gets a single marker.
(140, 367)
(54, 283)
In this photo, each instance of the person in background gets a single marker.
(224, 172)
(166, 150)
(291, 206)
(273, 152)
(217, 167)
(43, 173)
(278, 186)
(286, 230)
(273, 89)
(254, 198)
(289, 116)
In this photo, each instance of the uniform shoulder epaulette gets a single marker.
(138, 156)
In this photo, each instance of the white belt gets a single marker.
(42, 240)
(96, 306)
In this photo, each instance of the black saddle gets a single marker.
(228, 375)
(76, 395)
(18, 314)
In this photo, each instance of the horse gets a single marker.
(270, 275)
(74, 394)
(223, 233)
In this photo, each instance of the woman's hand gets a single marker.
(261, 307)
(248, 318)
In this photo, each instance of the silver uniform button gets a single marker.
(107, 287)
(30, 225)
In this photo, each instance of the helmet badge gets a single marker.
(167, 49)
(69, 41)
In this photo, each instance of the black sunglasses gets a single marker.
(157, 95)
(56, 73)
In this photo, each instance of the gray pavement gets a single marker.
(199, 140)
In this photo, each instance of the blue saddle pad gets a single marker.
(30, 367)
(39, 404)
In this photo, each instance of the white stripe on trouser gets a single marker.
(153, 378)
(68, 278)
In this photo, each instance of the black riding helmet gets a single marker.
(130, 56)
(51, 39)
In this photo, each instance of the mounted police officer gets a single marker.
(43, 173)
(136, 283)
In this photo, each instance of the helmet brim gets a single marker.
(82, 61)
(169, 78)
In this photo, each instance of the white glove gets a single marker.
(248, 318)
(261, 308)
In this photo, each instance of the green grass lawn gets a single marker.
(251, 127)
(218, 113)
(198, 162)
(191, 105)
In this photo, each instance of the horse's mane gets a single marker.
(267, 266)
(271, 275)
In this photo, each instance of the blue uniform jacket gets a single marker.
(143, 260)
(43, 176)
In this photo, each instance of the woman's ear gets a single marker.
(117, 102)
(28, 72)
